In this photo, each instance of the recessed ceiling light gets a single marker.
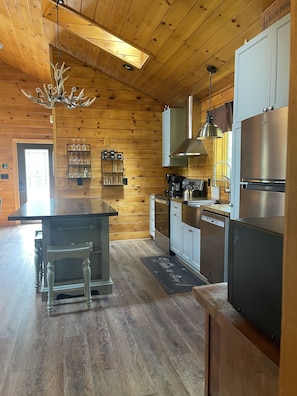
(128, 67)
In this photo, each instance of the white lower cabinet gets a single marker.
(190, 242)
(175, 227)
(184, 239)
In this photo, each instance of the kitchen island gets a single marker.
(69, 221)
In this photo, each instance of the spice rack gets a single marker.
(79, 161)
(112, 168)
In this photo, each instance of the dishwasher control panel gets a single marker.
(212, 220)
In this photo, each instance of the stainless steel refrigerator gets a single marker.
(263, 164)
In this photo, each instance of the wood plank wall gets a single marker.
(120, 119)
(20, 121)
(123, 120)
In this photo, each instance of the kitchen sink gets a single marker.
(191, 211)
(200, 202)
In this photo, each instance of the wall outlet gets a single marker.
(215, 192)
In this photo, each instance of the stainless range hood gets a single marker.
(191, 146)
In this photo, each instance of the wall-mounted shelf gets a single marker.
(79, 162)
(112, 168)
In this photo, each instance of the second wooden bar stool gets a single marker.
(75, 251)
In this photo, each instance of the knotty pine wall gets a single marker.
(127, 121)
(20, 121)
(120, 119)
(123, 120)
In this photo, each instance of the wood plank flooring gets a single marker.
(137, 341)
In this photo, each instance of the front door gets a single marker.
(35, 167)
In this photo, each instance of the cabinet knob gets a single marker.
(269, 108)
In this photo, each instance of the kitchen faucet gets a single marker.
(214, 183)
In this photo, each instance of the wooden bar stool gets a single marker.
(54, 253)
(38, 258)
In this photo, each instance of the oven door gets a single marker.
(162, 223)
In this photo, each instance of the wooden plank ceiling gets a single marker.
(181, 38)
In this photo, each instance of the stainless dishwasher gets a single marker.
(214, 246)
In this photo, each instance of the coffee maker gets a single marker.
(175, 188)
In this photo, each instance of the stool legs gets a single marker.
(37, 262)
(74, 251)
(38, 259)
(50, 283)
(87, 280)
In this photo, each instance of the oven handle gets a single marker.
(162, 201)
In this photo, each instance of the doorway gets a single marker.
(35, 169)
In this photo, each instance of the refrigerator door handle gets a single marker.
(244, 184)
(264, 186)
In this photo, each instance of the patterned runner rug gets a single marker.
(172, 275)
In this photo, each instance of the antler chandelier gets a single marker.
(51, 95)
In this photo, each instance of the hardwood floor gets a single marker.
(137, 341)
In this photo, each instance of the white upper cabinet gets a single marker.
(261, 77)
(174, 123)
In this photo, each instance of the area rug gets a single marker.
(172, 275)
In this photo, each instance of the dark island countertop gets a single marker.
(63, 208)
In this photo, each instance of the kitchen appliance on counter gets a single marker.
(175, 182)
(198, 188)
(263, 164)
(255, 271)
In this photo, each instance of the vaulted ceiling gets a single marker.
(181, 38)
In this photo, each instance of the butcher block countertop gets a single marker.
(220, 208)
(239, 359)
(215, 301)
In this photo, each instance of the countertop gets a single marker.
(219, 208)
(270, 224)
(214, 298)
(63, 208)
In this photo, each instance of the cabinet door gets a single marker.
(196, 248)
(173, 134)
(175, 228)
(252, 77)
(261, 79)
(187, 243)
(281, 67)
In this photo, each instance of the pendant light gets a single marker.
(210, 130)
